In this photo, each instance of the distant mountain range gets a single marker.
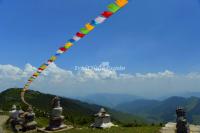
(75, 111)
(155, 110)
(108, 100)
(111, 100)
(191, 94)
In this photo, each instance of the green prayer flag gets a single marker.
(113, 8)
(84, 31)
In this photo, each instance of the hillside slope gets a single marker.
(108, 99)
(155, 111)
(75, 111)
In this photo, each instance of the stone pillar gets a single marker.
(182, 125)
(29, 120)
(56, 121)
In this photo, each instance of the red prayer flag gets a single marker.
(107, 14)
(63, 49)
(80, 34)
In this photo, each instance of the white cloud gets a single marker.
(165, 74)
(9, 71)
(75, 83)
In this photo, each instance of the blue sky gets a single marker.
(146, 36)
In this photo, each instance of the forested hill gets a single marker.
(75, 111)
(154, 110)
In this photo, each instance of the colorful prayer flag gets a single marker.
(100, 19)
(68, 45)
(113, 7)
(89, 27)
(121, 3)
(79, 34)
(107, 14)
(84, 31)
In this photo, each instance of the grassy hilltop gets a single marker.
(75, 112)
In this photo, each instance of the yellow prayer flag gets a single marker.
(43, 67)
(53, 58)
(68, 45)
(36, 74)
(89, 27)
(121, 3)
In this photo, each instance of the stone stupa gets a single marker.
(102, 120)
(29, 122)
(182, 126)
(56, 121)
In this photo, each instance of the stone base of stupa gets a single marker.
(57, 129)
(103, 125)
(171, 128)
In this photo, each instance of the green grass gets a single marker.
(117, 130)
(42, 122)
(145, 129)
(142, 129)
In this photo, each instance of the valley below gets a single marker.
(138, 116)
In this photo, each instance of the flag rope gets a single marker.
(112, 9)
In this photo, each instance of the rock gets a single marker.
(3, 119)
(171, 128)
(56, 122)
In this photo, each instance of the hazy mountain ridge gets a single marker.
(155, 110)
(108, 99)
